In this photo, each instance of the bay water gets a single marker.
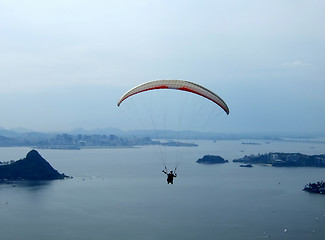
(121, 193)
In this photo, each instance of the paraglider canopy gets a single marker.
(176, 85)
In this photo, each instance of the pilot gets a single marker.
(170, 176)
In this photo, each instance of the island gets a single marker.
(246, 165)
(284, 160)
(211, 159)
(32, 167)
(318, 187)
(178, 144)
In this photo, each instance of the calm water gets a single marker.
(122, 194)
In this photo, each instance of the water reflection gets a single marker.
(27, 185)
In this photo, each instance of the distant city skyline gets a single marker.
(65, 64)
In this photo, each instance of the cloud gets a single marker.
(296, 63)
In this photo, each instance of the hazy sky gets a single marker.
(64, 64)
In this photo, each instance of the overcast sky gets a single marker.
(64, 64)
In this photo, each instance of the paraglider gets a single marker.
(177, 85)
(181, 85)
(170, 175)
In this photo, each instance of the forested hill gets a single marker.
(33, 167)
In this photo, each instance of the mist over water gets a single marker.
(120, 193)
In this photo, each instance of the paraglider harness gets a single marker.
(170, 175)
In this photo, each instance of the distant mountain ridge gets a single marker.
(156, 133)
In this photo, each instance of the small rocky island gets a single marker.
(211, 159)
(318, 187)
(33, 167)
(284, 160)
(246, 165)
(178, 144)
